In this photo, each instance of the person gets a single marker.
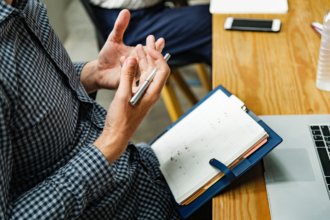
(62, 156)
(187, 29)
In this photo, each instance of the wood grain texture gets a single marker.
(273, 73)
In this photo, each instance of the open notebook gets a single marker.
(219, 128)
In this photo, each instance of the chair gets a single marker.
(169, 95)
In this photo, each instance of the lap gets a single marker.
(185, 29)
(172, 23)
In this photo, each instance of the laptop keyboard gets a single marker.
(321, 137)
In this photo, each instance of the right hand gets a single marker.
(123, 119)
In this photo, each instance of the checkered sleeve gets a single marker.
(78, 67)
(66, 194)
(63, 195)
(5, 156)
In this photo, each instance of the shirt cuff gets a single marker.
(88, 174)
(78, 67)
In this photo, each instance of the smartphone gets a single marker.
(247, 24)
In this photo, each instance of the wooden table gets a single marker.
(273, 73)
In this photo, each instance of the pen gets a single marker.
(138, 95)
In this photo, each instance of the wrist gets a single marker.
(89, 76)
(111, 146)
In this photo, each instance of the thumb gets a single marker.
(128, 73)
(122, 21)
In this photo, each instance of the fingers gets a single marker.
(129, 70)
(146, 63)
(151, 42)
(151, 45)
(122, 21)
(156, 59)
(160, 44)
(143, 63)
(149, 58)
(162, 73)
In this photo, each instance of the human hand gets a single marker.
(123, 119)
(105, 71)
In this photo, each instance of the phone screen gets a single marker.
(259, 24)
(247, 24)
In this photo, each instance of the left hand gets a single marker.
(105, 71)
(123, 119)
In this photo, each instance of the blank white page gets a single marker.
(217, 128)
(249, 6)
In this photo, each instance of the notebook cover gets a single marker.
(273, 140)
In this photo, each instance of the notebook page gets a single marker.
(215, 129)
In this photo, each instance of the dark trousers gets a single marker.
(186, 30)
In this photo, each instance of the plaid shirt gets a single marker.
(49, 168)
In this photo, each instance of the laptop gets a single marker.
(297, 172)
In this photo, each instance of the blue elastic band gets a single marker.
(223, 168)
